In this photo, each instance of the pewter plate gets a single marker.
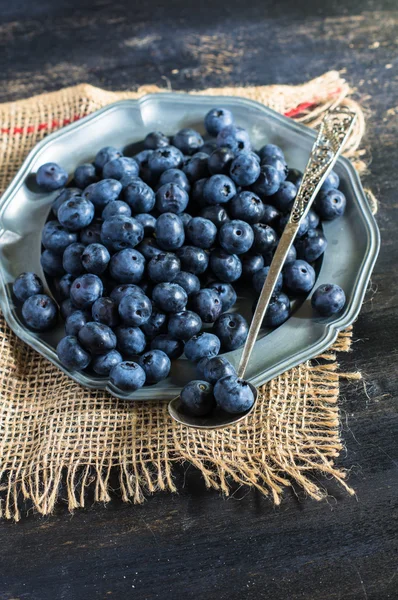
(353, 240)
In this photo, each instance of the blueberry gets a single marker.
(233, 395)
(270, 151)
(259, 279)
(175, 176)
(170, 346)
(104, 363)
(226, 292)
(164, 267)
(185, 218)
(155, 140)
(226, 267)
(120, 291)
(127, 266)
(184, 325)
(169, 297)
(299, 277)
(97, 338)
(284, 197)
(127, 376)
(236, 237)
(328, 299)
(76, 213)
(139, 196)
(170, 198)
(102, 193)
(197, 198)
(330, 204)
(85, 290)
(331, 181)
(208, 147)
(66, 194)
(313, 219)
(200, 367)
(232, 330)
(95, 258)
(67, 308)
(268, 181)
(197, 167)
(39, 312)
(216, 214)
(278, 310)
(194, 260)
(63, 285)
(122, 169)
(156, 324)
(56, 238)
(149, 248)
(247, 206)
(265, 238)
(147, 221)
(156, 365)
(197, 398)
(26, 285)
(75, 321)
(216, 368)
(135, 309)
(105, 310)
(245, 169)
(188, 281)
(270, 216)
(167, 157)
(207, 304)
(169, 231)
(130, 341)
(251, 263)
(295, 176)
(201, 232)
(188, 141)
(72, 259)
(71, 354)
(51, 176)
(312, 245)
(216, 119)
(51, 263)
(235, 138)
(202, 345)
(106, 155)
(142, 157)
(218, 189)
(220, 161)
(121, 232)
(116, 208)
(85, 175)
(92, 233)
(277, 163)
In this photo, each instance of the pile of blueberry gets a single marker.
(145, 253)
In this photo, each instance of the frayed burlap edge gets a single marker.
(54, 431)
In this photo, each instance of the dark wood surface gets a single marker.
(196, 544)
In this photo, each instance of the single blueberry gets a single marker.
(201, 232)
(175, 176)
(170, 198)
(295, 176)
(235, 138)
(76, 213)
(72, 259)
(135, 309)
(269, 151)
(170, 346)
(169, 231)
(156, 365)
(251, 263)
(259, 279)
(105, 310)
(188, 281)
(169, 297)
(284, 198)
(298, 277)
(39, 312)
(127, 376)
(200, 367)
(247, 206)
(194, 260)
(236, 237)
(220, 161)
(232, 330)
(67, 308)
(226, 267)
(149, 248)
(202, 345)
(330, 204)
(197, 398)
(233, 395)
(164, 267)
(63, 286)
(120, 291)
(66, 194)
(216, 119)
(51, 176)
(103, 192)
(147, 221)
(207, 304)
(167, 157)
(130, 341)
(184, 325)
(139, 196)
(270, 216)
(265, 238)
(106, 155)
(56, 238)
(332, 181)
(104, 363)
(71, 354)
(156, 324)
(197, 167)
(95, 258)
(267, 183)
(312, 245)
(218, 189)
(226, 292)
(245, 169)
(121, 232)
(185, 218)
(197, 198)
(216, 214)
(278, 310)
(313, 219)
(277, 163)
(97, 338)
(188, 141)
(116, 208)
(328, 299)
(85, 290)
(26, 285)
(85, 175)
(51, 263)
(216, 368)
(127, 266)
(155, 140)
(209, 147)
(92, 233)
(122, 169)
(75, 321)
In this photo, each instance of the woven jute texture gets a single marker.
(53, 432)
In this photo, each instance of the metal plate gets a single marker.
(353, 240)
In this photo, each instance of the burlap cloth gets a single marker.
(53, 431)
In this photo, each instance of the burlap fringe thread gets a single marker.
(54, 431)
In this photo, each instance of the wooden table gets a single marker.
(197, 544)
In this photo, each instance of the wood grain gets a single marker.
(197, 544)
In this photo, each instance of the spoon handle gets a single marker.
(333, 133)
